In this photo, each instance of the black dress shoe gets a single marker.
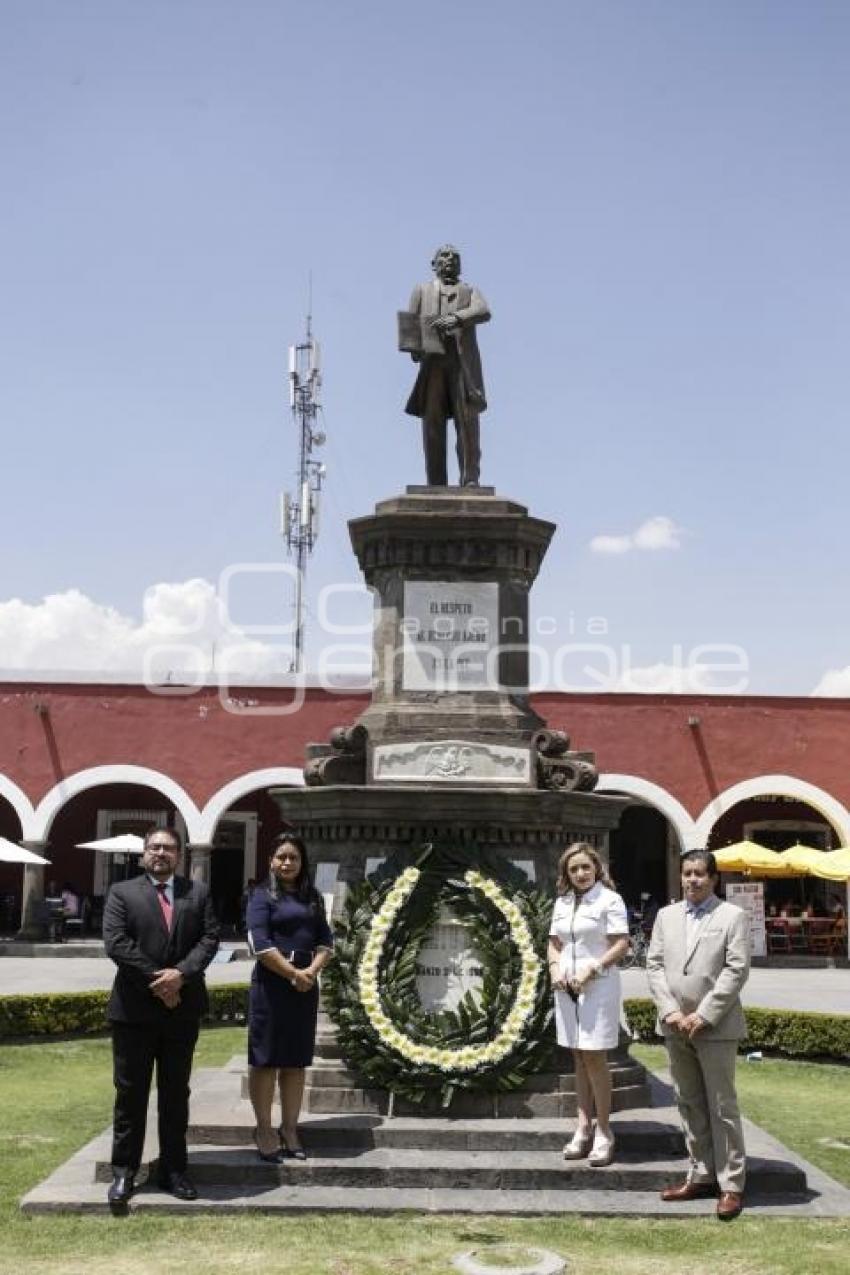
(288, 1152)
(123, 1185)
(268, 1157)
(178, 1185)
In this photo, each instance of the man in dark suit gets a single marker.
(161, 932)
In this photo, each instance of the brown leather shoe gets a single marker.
(688, 1190)
(729, 1205)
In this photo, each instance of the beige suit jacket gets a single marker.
(706, 976)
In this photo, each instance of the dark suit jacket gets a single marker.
(136, 938)
(471, 308)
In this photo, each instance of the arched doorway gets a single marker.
(645, 848)
(11, 874)
(240, 823)
(777, 821)
(639, 858)
(103, 811)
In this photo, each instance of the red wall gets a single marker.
(201, 746)
(51, 731)
(739, 737)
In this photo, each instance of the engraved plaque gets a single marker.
(450, 633)
(452, 761)
(447, 967)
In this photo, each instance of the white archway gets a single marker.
(97, 776)
(780, 786)
(21, 804)
(272, 777)
(653, 795)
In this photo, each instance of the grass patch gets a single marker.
(804, 1105)
(55, 1096)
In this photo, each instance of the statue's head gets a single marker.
(446, 263)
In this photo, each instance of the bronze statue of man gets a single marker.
(444, 313)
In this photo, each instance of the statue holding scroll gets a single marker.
(438, 331)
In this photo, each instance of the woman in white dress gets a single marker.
(588, 935)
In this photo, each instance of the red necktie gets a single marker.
(165, 904)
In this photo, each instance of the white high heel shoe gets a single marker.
(578, 1146)
(602, 1152)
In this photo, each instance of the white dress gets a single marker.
(584, 930)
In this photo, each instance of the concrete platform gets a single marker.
(380, 1164)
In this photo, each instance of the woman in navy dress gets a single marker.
(289, 934)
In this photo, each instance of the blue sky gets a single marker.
(653, 196)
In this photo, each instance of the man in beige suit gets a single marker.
(699, 959)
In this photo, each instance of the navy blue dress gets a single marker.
(282, 1021)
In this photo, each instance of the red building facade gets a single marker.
(81, 760)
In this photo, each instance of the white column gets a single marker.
(32, 895)
(199, 866)
(674, 865)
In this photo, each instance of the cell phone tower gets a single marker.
(299, 511)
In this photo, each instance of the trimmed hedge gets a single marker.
(84, 1013)
(793, 1032)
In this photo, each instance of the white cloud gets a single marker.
(671, 679)
(182, 635)
(611, 544)
(835, 682)
(659, 532)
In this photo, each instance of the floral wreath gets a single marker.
(385, 1034)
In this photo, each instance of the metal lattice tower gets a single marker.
(299, 512)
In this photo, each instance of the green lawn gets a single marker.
(55, 1096)
(805, 1105)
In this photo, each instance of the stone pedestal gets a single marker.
(451, 570)
(349, 825)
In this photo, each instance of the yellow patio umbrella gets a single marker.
(833, 865)
(750, 857)
(801, 861)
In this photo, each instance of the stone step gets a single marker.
(328, 1099)
(60, 1197)
(361, 1162)
(458, 1170)
(327, 1045)
(332, 1074)
(329, 1074)
(646, 1136)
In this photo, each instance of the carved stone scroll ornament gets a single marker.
(559, 768)
(342, 761)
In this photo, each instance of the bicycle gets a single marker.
(638, 948)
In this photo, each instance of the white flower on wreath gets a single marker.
(469, 1057)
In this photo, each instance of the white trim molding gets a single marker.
(22, 806)
(775, 786)
(95, 777)
(219, 802)
(656, 796)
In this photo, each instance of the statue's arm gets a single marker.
(477, 311)
(415, 306)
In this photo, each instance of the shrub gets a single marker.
(796, 1033)
(84, 1013)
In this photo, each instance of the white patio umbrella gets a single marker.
(124, 843)
(12, 853)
